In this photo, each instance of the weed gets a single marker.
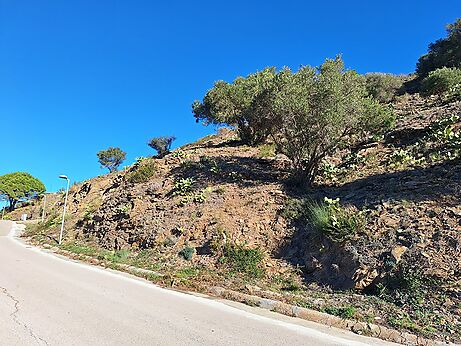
(187, 253)
(343, 312)
(337, 223)
(293, 209)
(244, 260)
(266, 150)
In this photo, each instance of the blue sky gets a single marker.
(79, 76)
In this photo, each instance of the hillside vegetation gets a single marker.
(326, 189)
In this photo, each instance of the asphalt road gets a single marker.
(47, 300)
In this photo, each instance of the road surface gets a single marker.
(47, 300)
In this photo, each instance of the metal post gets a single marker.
(65, 207)
(44, 206)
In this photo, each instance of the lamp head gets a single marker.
(63, 177)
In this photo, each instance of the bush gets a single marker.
(162, 144)
(383, 86)
(183, 186)
(142, 173)
(337, 223)
(244, 260)
(441, 81)
(111, 158)
(187, 253)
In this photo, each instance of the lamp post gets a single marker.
(65, 206)
(44, 206)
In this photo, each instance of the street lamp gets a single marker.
(65, 206)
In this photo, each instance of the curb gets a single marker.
(361, 328)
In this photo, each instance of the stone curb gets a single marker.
(362, 328)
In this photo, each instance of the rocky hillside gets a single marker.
(216, 212)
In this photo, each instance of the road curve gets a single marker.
(47, 300)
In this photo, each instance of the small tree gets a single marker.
(111, 158)
(162, 144)
(317, 110)
(19, 186)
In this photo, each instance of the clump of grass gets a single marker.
(80, 249)
(187, 253)
(343, 312)
(244, 260)
(267, 150)
(337, 223)
(142, 173)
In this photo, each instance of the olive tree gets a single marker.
(242, 103)
(19, 186)
(111, 158)
(319, 109)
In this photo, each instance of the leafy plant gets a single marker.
(183, 187)
(187, 253)
(337, 223)
(343, 312)
(111, 158)
(267, 150)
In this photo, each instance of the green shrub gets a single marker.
(343, 312)
(383, 86)
(337, 223)
(293, 209)
(244, 260)
(142, 173)
(440, 81)
(187, 253)
(183, 187)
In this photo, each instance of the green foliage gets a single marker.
(183, 187)
(19, 186)
(445, 52)
(441, 81)
(267, 150)
(319, 109)
(337, 223)
(162, 144)
(383, 86)
(244, 260)
(293, 209)
(187, 253)
(111, 158)
(242, 103)
(402, 157)
(142, 172)
(343, 312)
(210, 163)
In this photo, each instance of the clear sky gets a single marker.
(77, 76)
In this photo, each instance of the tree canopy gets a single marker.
(161, 144)
(111, 158)
(445, 52)
(20, 186)
(308, 113)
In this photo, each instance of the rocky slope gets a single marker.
(205, 205)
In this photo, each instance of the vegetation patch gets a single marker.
(142, 173)
(244, 260)
(337, 223)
